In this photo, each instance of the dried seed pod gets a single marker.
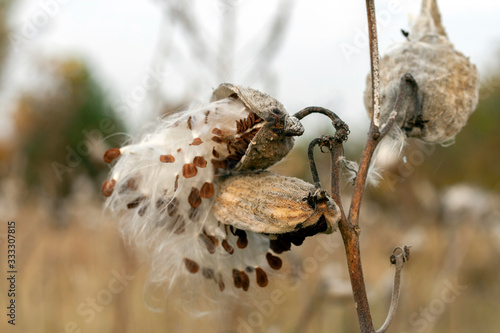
(274, 139)
(268, 203)
(448, 83)
(176, 169)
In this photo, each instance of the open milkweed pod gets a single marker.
(286, 209)
(448, 83)
(269, 140)
(164, 182)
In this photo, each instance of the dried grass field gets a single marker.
(83, 278)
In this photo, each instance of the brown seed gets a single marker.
(111, 154)
(189, 170)
(142, 210)
(217, 139)
(242, 238)
(207, 190)
(134, 203)
(261, 277)
(194, 198)
(196, 142)
(208, 273)
(229, 249)
(172, 207)
(108, 187)
(178, 226)
(246, 280)
(210, 242)
(190, 126)
(237, 278)
(242, 243)
(194, 214)
(274, 261)
(132, 184)
(178, 150)
(218, 163)
(218, 132)
(160, 204)
(206, 116)
(176, 185)
(167, 159)
(191, 265)
(220, 282)
(215, 153)
(199, 161)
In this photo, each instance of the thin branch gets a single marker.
(374, 61)
(312, 163)
(341, 128)
(397, 259)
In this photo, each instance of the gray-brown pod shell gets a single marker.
(269, 203)
(448, 83)
(275, 139)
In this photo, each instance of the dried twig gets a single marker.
(397, 259)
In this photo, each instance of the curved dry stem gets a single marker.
(397, 259)
(341, 128)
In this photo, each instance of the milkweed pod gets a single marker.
(274, 139)
(448, 83)
(268, 203)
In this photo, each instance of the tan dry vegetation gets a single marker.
(60, 269)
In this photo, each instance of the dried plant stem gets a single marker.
(349, 225)
(399, 260)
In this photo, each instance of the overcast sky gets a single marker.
(119, 38)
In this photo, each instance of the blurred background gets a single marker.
(78, 77)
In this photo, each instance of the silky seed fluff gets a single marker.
(448, 83)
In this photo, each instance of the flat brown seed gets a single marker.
(220, 282)
(194, 198)
(218, 163)
(191, 265)
(207, 190)
(132, 184)
(261, 277)
(179, 149)
(194, 214)
(218, 132)
(196, 142)
(246, 280)
(242, 241)
(237, 278)
(176, 185)
(178, 225)
(274, 261)
(208, 273)
(209, 241)
(142, 210)
(172, 207)
(108, 187)
(200, 162)
(134, 203)
(217, 139)
(111, 154)
(190, 126)
(167, 159)
(189, 170)
(215, 153)
(160, 204)
(229, 249)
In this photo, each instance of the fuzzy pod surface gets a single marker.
(448, 83)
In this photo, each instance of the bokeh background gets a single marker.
(78, 77)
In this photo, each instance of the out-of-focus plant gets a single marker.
(60, 125)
